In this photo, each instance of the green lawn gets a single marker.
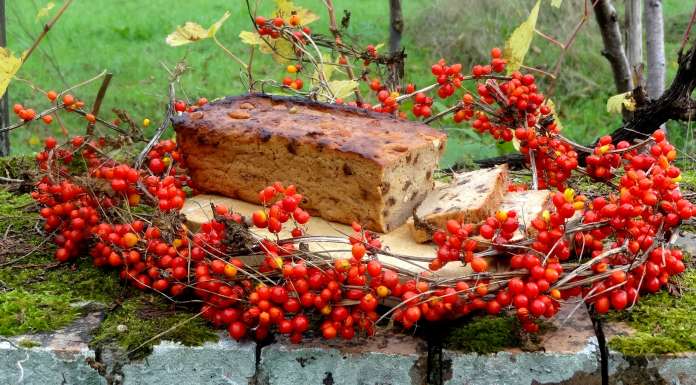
(127, 38)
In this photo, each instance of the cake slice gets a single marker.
(470, 197)
(349, 164)
(528, 205)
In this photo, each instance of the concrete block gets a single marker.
(387, 359)
(222, 362)
(60, 357)
(568, 355)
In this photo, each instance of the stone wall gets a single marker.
(569, 355)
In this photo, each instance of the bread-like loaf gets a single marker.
(470, 197)
(350, 165)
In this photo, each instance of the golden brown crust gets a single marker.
(255, 117)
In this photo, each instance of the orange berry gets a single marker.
(68, 99)
(130, 239)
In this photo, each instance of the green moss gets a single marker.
(26, 312)
(664, 323)
(17, 167)
(689, 178)
(14, 213)
(28, 343)
(484, 335)
(36, 293)
(145, 317)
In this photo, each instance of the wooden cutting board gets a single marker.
(197, 211)
(527, 204)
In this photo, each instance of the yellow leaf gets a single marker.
(251, 38)
(516, 143)
(191, 32)
(9, 65)
(552, 107)
(43, 12)
(188, 33)
(342, 88)
(216, 25)
(521, 39)
(281, 49)
(285, 8)
(616, 102)
(328, 68)
(34, 140)
(556, 3)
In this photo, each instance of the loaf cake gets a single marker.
(349, 164)
(470, 197)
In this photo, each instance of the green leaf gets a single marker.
(617, 102)
(520, 40)
(9, 65)
(556, 3)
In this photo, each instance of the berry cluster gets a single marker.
(280, 287)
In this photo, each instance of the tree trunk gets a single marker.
(634, 35)
(396, 25)
(5, 102)
(608, 22)
(655, 47)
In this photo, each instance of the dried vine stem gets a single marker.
(58, 106)
(46, 28)
(166, 121)
(98, 101)
(333, 27)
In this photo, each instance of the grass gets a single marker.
(128, 40)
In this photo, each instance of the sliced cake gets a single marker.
(470, 197)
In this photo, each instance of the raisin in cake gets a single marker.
(350, 165)
(470, 197)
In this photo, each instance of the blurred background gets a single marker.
(127, 38)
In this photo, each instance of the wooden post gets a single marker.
(5, 102)
(396, 25)
(396, 28)
(634, 34)
(608, 22)
(655, 48)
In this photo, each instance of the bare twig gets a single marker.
(98, 101)
(47, 27)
